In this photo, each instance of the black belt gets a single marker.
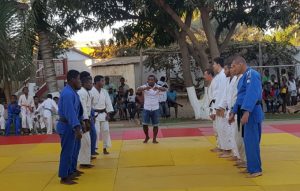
(212, 101)
(100, 110)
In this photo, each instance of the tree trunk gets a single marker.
(198, 46)
(47, 56)
(186, 69)
(7, 90)
(209, 33)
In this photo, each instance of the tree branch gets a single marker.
(228, 36)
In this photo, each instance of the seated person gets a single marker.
(131, 106)
(13, 111)
(171, 99)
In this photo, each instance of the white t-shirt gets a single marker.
(151, 98)
(131, 98)
(162, 96)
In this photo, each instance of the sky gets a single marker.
(85, 37)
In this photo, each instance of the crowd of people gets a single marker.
(127, 103)
(33, 115)
(278, 93)
(235, 105)
(29, 115)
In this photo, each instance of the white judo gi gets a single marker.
(238, 142)
(2, 120)
(101, 101)
(85, 149)
(49, 106)
(219, 91)
(38, 119)
(27, 105)
(211, 104)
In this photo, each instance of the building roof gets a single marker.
(119, 61)
(82, 53)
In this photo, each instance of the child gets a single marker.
(139, 99)
(121, 104)
(2, 120)
(131, 104)
(13, 111)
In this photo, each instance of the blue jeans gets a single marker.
(151, 117)
(164, 110)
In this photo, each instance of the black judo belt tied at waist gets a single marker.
(99, 111)
(240, 115)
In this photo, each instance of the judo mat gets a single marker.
(181, 161)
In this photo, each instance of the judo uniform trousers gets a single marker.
(249, 99)
(85, 149)
(70, 113)
(49, 107)
(102, 101)
(2, 120)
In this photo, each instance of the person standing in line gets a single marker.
(69, 128)
(248, 108)
(26, 102)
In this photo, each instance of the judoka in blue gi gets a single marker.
(14, 118)
(249, 113)
(69, 128)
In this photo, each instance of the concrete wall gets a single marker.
(127, 71)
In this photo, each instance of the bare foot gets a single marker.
(254, 175)
(242, 166)
(215, 150)
(146, 140)
(105, 152)
(67, 181)
(154, 141)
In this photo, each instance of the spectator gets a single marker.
(268, 96)
(123, 85)
(171, 99)
(284, 94)
(266, 77)
(162, 81)
(164, 111)
(38, 122)
(13, 111)
(2, 120)
(292, 89)
(121, 104)
(273, 79)
(108, 85)
(131, 106)
(277, 98)
(284, 74)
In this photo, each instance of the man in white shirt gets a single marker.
(292, 87)
(84, 157)
(26, 102)
(49, 106)
(219, 92)
(151, 107)
(2, 120)
(162, 81)
(102, 106)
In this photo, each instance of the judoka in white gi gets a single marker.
(38, 120)
(49, 106)
(219, 91)
(2, 120)
(84, 158)
(209, 79)
(26, 102)
(238, 148)
(102, 106)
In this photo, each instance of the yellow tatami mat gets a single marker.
(176, 164)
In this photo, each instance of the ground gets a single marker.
(181, 161)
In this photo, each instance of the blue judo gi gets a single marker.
(70, 113)
(93, 133)
(249, 99)
(13, 111)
